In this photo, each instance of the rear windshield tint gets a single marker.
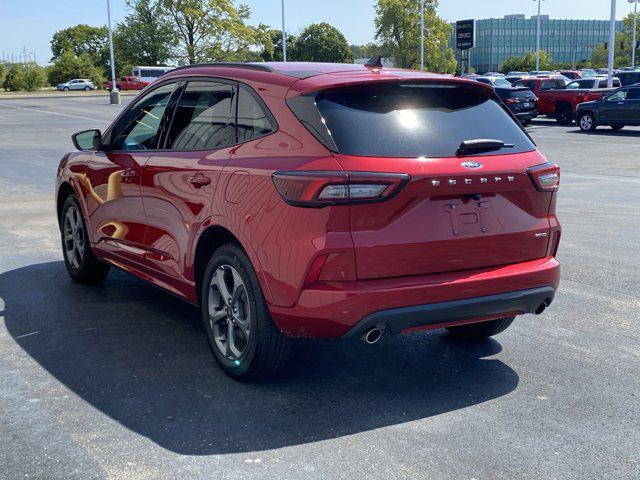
(407, 119)
(522, 94)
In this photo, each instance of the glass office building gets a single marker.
(567, 41)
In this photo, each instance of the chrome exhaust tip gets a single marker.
(371, 336)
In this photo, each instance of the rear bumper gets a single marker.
(335, 309)
(397, 320)
(527, 115)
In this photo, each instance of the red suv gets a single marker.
(296, 200)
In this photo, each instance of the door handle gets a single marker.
(128, 175)
(199, 180)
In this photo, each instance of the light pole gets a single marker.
(612, 43)
(538, 36)
(115, 94)
(635, 27)
(284, 37)
(421, 35)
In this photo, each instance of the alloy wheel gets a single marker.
(73, 231)
(229, 313)
(586, 122)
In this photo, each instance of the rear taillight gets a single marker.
(545, 177)
(317, 189)
(510, 101)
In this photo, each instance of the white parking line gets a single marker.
(2, 104)
(602, 177)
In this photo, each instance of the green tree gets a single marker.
(14, 81)
(212, 30)
(3, 73)
(527, 62)
(272, 46)
(69, 66)
(368, 50)
(623, 47)
(321, 42)
(146, 35)
(397, 25)
(81, 39)
(35, 77)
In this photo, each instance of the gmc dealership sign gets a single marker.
(465, 34)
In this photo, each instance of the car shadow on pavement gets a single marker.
(141, 357)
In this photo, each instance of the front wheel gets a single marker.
(586, 122)
(65, 89)
(564, 115)
(82, 265)
(478, 331)
(244, 340)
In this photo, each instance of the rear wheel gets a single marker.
(617, 127)
(244, 340)
(586, 122)
(87, 89)
(477, 331)
(564, 115)
(82, 265)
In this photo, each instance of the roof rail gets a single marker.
(248, 66)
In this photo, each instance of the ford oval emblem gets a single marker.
(471, 165)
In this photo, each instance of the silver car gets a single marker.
(76, 84)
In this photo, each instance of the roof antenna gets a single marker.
(374, 62)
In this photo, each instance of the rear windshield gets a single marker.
(522, 94)
(407, 119)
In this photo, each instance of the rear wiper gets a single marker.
(481, 145)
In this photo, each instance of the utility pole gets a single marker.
(635, 27)
(612, 43)
(538, 36)
(115, 94)
(284, 37)
(421, 35)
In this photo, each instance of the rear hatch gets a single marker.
(521, 99)
(460, 209)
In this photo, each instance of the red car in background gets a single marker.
(127, 83)
(294, 200)
(558, 101)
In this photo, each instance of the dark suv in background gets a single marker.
(520, 100)
(617, 110)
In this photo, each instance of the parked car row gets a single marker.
(124, 83)
(587, 99)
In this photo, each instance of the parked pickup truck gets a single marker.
(127, 83)
(559, 101)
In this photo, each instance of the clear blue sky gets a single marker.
(31, 23)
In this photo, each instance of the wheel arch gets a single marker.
(64, 191)
(211, 238)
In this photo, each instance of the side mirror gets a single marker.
(87, 140)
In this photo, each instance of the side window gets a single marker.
(548, 85)
(138, 128)
(634, 94)
(204, 118)
(618, 96)
(253, 120)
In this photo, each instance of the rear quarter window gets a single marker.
(407, 119)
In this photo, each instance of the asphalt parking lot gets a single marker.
(117, 381)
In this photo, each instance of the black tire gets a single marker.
(478, 331)
(617, 127)
(526, 123)
(587, 122)
(65, 89)
(564, 115)
(82, 265)
(266, 350)
(86, 89)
